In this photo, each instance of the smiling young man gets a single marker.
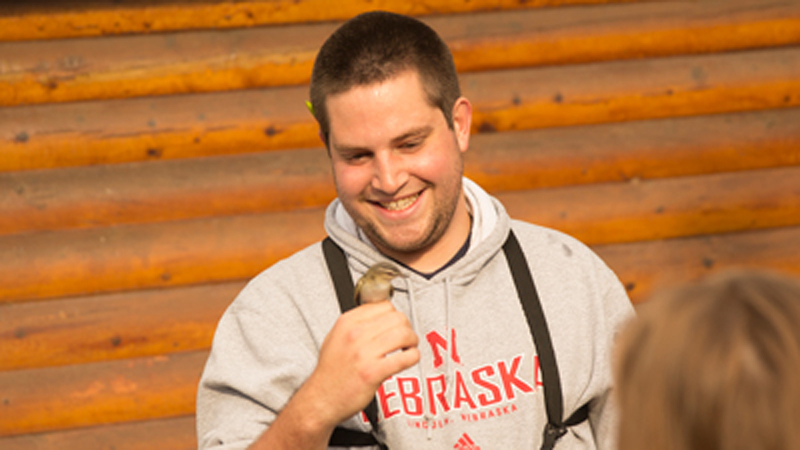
(397, 166)
(450, 361)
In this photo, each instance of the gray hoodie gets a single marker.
(477, 385)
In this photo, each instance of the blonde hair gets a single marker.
(713, 366)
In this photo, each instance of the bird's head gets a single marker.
(376, 284)
(384, 271)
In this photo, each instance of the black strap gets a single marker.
(345, 437)
(343, 284)
(526, 290)
(340, 273)
(529, 298)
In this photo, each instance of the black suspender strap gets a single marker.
(529, 298)
(534, 314)
(340, 273)
(343, 284)
(345, 437)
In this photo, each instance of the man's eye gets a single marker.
(410, 145)
(357, 157)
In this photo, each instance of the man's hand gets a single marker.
(366, 345)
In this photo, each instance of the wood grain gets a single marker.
(96, 328)
(96, 196)
(645, 267)
(164, 434)
(82, 18)
(112, 392)
(114, 131)
(151, 256)
(75, 262)
(161, 387)
(206, 61)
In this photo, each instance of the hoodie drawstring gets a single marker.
(448, 378)
(415, 325)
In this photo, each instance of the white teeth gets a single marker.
(397, 205)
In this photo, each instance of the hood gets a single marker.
(490, 226)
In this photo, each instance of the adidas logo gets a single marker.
(466, 443)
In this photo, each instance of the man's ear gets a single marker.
(462, 122)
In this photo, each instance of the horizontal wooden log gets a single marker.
(70, 331)
(51, 136)
(627, 151)
(634, 90)
(165, 434)
(165, 190)
(97, 328)
(75, 262)
(646, 267)
(666, 208)
(131, 66)
(80, 18)
(87, 133)
(59, 398)
(151, 256)
(156, 191)
(612, 32)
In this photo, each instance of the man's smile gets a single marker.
(400, 204)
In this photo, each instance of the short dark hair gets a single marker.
(376, 46)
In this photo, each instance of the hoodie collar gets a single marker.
(490, 225)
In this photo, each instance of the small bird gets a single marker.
(376, 284)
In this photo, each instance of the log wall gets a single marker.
(154, 157)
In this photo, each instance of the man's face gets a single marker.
(397, 165)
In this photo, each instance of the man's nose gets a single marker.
(390, 172)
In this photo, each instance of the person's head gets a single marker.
(714, 365)
(374, 47)
(386, 96)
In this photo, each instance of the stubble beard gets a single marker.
(436, 227)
